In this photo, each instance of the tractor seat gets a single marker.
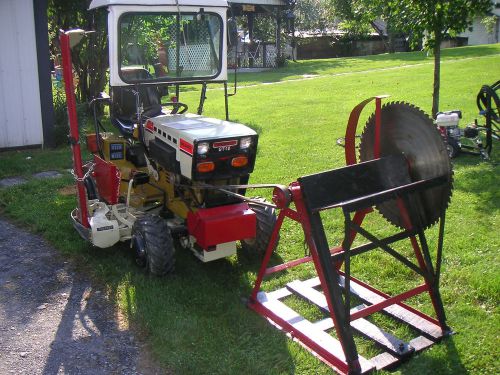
(124, 110)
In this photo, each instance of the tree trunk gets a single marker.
(437, 74)
(278, 35)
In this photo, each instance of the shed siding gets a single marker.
(20, 110)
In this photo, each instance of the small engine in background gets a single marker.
(448, 124)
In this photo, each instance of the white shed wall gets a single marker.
(20, 109)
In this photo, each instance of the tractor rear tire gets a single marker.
(91, 188)
(153, 244)
(255, 248)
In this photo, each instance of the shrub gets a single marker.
(61, 123)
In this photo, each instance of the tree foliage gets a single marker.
(434, 19)
(489, 23)
(313, 15)
(90, 58)
(147, 32)
(428, 20)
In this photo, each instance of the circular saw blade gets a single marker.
(408, 130)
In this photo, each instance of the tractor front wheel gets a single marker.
(255, 248)
(153, 245)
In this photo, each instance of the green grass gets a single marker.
(195, 320)
(297, 70)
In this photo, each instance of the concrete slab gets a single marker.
(12, 181)
(47, 174)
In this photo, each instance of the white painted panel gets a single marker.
(20, 116)
(479, 35)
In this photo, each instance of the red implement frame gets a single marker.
(342, 354)
(74, 138)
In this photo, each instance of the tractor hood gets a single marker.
(177, 137)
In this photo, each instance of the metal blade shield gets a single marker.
(407, 129)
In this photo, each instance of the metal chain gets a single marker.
(90, 167)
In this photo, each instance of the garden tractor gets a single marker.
(162, 174)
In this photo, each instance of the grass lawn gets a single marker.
(195, 320)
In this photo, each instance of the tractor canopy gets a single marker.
(166, 41)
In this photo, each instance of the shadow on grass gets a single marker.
(197, 313)
(481, 178)
(447, 364)
(88, 337)
(292, 70)
(254, 126)
(447, 53)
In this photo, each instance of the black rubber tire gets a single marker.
(91, 188)
(255, 248)
(152, 233)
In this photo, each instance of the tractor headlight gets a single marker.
(245, 142)
(203, 148)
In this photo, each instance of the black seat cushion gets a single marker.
(124, 105)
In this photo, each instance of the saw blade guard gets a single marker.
(406, 129)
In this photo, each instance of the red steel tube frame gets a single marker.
(67, 65)
(305, 340)
(299, 215)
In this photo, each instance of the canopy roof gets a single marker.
(258, 2)
(201, 3)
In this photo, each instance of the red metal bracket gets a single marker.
(67, 65)
(352, 125)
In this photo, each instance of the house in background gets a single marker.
(26, 111)
(477, 33)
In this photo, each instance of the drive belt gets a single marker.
(228, 189)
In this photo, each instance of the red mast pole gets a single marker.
(74, 138)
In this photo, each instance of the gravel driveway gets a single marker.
(53, 320)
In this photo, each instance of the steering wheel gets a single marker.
(178, 107)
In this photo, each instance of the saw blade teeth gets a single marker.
(426, 154)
